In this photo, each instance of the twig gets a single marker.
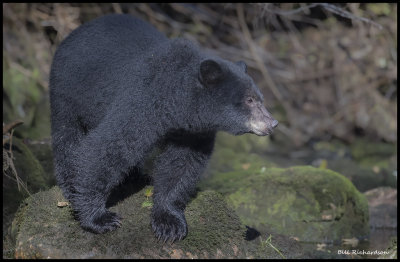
(269, 242)
(291, 12)
(344, 13)
(10, 126)
(9, 155)
(329, 7)
(17, 179)
(12, 157)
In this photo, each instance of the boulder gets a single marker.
(307, 203)
(41, 229)
(30, 172)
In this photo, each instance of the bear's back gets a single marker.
(89, 64)
(118, 35)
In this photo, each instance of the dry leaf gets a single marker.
(62, 204)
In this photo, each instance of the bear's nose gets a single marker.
(275, 123)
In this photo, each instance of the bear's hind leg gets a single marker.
(98, 172)
(64, 142)
(97, 219)
(91, 211)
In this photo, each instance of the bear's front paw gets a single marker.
(102, 223)
(169, 226)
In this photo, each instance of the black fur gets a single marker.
(118, 88)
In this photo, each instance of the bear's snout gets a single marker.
(261, 122)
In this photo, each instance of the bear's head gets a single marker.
(235, 104)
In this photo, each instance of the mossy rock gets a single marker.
(31, 173)
(308, 203)
(43, 230)
(28, 167)
(29, 170)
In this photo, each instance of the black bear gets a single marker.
(119, 88)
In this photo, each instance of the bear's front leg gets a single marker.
(176, 173)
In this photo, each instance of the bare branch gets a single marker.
(329, 7)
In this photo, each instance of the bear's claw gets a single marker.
(107, 221)
(167, 226)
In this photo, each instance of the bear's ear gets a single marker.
(242, 65)
(210, 72)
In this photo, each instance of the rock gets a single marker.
(27, 166)
(29, 170)
(382, 204)
(310, 204)
(43, 230)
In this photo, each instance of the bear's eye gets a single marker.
(249, 100)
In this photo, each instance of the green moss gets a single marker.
(243, 197)
(28, 167)
(44, 230)
(29, 171)
(209, 236)
(302, 201)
